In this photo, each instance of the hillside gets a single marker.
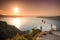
(7, 31)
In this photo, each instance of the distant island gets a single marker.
(28, 16)
(49, 17)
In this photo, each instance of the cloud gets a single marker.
(1, 10)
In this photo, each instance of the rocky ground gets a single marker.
(53, 36)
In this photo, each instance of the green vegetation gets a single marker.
(9, 32)
(26, 36)
(35, 31)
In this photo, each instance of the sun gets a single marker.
(16, 10)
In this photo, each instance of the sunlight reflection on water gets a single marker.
(27, 23)
(16, 22)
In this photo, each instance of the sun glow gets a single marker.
(16, 10)
(16, 22)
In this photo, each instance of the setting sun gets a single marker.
(16, 10)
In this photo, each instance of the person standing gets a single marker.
(42, 27)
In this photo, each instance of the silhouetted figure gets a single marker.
(43, 24)
(41, 28)
(42, 21)
(51, 26)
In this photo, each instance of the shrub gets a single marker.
(21, 38)
(44, 33)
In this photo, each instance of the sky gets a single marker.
(30, 7)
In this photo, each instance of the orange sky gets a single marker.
(30, 8)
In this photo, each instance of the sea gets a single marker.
(29, 23)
